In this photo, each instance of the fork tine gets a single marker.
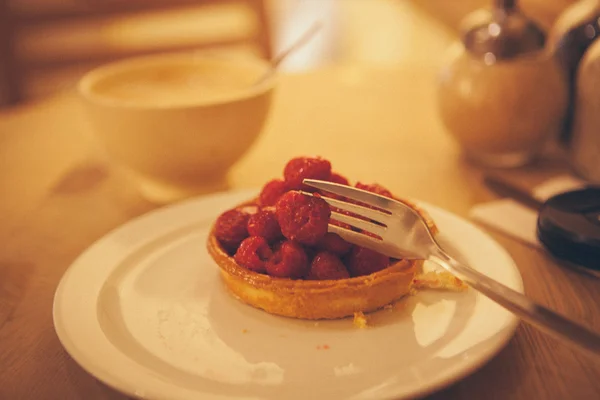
(374, 215)
(353, 193)
(362, 240)
(356, 238)
(359, 223)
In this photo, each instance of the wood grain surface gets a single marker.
(59, 195)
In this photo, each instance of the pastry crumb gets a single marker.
(442, 280)
(389, 307)
(360, 320)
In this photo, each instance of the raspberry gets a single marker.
(289, 261)
(311, 252)
(298, 169)
(302, 218)
(231, 229)
(335, 209)
(375, 188)
(334, 243)
(327, 265)
(363, 261)
(272, 191)
(253, 253)
(337, 178)
(277, 244)
(249, 209)
(264, 223)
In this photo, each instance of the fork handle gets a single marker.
(515, 302)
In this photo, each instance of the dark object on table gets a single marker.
(569, 226)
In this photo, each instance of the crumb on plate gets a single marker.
(442, 280)
(360, 320)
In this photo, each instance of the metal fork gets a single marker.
(404, 234)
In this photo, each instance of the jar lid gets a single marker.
(568, 226)
(502, 34)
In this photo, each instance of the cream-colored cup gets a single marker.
(177, 122)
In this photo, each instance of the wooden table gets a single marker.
(58, 195)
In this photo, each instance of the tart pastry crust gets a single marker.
(317, 299)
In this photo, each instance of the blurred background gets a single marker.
(46, 45)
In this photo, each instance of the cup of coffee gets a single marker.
(177, 122)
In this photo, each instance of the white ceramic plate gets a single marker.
(144, 311)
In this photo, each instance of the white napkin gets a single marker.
(515, 220)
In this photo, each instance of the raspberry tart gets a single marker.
(275, 253)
